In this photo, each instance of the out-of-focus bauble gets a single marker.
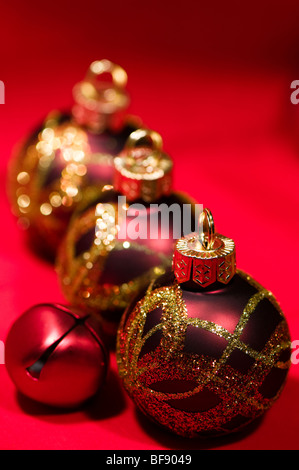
(70, 154)
(205, 349)
(101, 265)
(55, 355)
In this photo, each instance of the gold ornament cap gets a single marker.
(99, 103)
(205, 257)
(143, 170)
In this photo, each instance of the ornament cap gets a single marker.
(205, 257)
(98, 102)
(143, 170)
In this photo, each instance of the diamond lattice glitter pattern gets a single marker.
(209, 394)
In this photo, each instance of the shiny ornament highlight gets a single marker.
(55, 355)
(69, 155)
(204, 358)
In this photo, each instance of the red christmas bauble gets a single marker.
(55, 355)
(205, 349)
(109, 252)
(69, 155)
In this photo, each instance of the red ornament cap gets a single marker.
(206, 257)
(143, 170)
(99, 102)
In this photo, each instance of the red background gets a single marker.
(214, 79)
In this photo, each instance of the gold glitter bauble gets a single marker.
(104, 261)
(68, 155)
(203, 361)
(101, 273)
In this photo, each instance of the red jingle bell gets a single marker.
(56, 356)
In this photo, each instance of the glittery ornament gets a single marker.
(101, 265)
(56, 355)
(205, 349)
(70, 154)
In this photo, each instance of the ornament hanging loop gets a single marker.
(99, 67)
(101, 98)
(206, 229)
(145, 137)
(143, 170)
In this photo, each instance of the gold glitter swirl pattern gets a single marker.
(235, 397)
(62, 142)
(50, 175)
(80, 275)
